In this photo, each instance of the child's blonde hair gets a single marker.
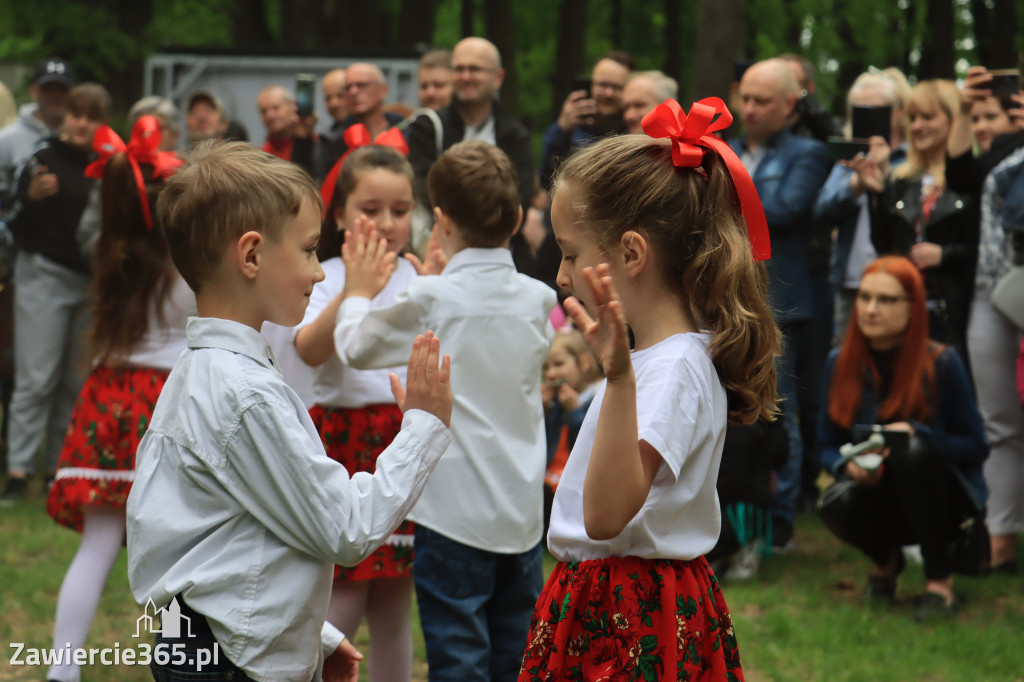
(693, 221)
(574, 344)
(224, 190)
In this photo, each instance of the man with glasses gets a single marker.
(587, 116)
(365, 90)
(475, 114)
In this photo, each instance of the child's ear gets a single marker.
(249, 253)
(443, 221)
(519, 220)
(635, 251)
(339, 218)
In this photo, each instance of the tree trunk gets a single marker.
(416, 23)
(500, 30)
(937, 55)
(618, 21)
(572, 30)
(1004, 27)
(982, 30)
(466, 16)
(299, 22)
(250, 29)
(717, 47)
(673, 39)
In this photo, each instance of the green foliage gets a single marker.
(191, 23)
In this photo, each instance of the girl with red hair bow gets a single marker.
(661, 239)
(929, 485)
(140, 305)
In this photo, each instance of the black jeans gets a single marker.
(919, 500)
(195, 656)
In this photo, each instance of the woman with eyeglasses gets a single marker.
(921, 480)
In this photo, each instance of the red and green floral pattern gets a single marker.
(355, 438)
(109, 419)
(626, 618)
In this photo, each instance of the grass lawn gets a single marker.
(801, 618)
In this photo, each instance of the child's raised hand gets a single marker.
(568, 397)
(606, 335)
(428, 387)
(368, 264)
(434, 260)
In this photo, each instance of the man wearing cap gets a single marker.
(51, 82)
(204, 116)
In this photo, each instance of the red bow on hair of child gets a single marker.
(690, 136)
(143, 147)
(358, 135)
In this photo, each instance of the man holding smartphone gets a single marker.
(591, 110)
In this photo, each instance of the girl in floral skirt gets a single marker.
(653, 239)
(355, 411)
(140, 305)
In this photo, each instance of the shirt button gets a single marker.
(899, 204)
(959, 204)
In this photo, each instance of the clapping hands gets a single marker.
(605, 333)
(368, 263)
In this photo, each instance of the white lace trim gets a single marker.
(95, 474)
(400, 540)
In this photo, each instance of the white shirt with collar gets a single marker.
(236, 506)
(487, 492)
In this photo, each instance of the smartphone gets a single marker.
(583, 84)
(305, 91)
(896, 440)
(840, 148)
(1004, 82)
(871, 121)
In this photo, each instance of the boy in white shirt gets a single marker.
(236, 512)
(479, 521)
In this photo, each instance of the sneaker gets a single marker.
(14, 490)
(744, 563)
(932, 606)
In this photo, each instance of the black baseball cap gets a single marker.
(54, 70)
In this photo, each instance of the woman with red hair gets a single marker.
(888, 373)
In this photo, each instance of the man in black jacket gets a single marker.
(475, 114)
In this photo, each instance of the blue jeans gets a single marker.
(475, 607)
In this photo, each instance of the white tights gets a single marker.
(387, 605)
(102, 536)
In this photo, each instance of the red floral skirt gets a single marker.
(97, 463)
(626, 618)
(355, 437)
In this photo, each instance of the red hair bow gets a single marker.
(358, 135)
(691, 135)
(142, 147)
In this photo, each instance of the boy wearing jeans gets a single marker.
(236, 511)
(479, 521)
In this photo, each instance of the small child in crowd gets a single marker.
(236, 514)
(571, 379)
(479, 522)
(355, 413)
(655, 241)
(140, 305)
